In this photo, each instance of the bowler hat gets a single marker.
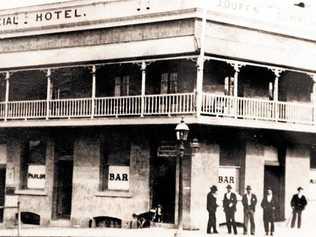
(299, 188)
(229, 187)
(213, 188)
(248, 187)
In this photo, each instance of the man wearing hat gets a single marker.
(249, 201)
(298, 203)
(229, 204)
(211, 206)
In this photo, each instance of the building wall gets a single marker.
(88, 201)
(37, 201)
(205, 163)
(297, 169)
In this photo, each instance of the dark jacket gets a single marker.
(298, 204)
(232, 200)
(211, 203)
(268, 208)
(253, 202)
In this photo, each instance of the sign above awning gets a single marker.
(131, 50)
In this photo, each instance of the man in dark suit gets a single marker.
(298, 204)
(229, 204)
(249, 201)
(211, 206)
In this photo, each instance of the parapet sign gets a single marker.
(167, 150)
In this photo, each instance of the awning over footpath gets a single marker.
(130, 50)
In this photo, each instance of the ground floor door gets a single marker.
(63, 189)
(2, 191)
(274, 178)
(164, 187)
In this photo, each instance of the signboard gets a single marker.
(36, 176)
(228, 176)
(118, 178)
(167, 150)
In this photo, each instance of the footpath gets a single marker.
(281, 231)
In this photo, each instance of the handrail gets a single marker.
(258, 109)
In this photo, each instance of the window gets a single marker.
(169, 83)
(33, 169)
(115, 161)
(121, 87)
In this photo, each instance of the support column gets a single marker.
(49, 92)
(199, 84)
(277, 72)
(7, 89)
(313, 96)
(93, 92)
(143, 89)
(237, 67)
(200, 65)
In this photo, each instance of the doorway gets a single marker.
(2, 191)
(63, 189)
(164, 187)
(274, 178)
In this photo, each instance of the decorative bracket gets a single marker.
(236, 65)
(277, 71)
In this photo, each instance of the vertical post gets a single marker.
(7, 89)
(200, 64)
(180, 205)
(48, 93)
(236, 67)
(277, 73)
(93, 92)
(19, 217)
(143, 89)
(313, 97)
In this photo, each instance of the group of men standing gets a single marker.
(249, 202)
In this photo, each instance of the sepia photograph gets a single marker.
(157, 118)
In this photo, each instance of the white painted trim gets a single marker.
(75, 55)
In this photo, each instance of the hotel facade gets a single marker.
(91, 92)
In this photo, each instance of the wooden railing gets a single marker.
(161, 105)
(169, 104)
(250, 108)
(118, 106)
(70, 108)
(24, 109)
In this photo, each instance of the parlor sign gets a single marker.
(36, 176)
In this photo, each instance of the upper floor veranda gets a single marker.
(159, 91)
(109, 62)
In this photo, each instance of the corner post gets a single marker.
(313, 96)
(277, 72)
(237, 67)
(93, 92)
(143, 89)
(49, 92)
(7, 89)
